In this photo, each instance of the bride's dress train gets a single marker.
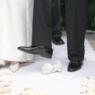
(15, 29)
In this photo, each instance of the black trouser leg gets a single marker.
(42, 23)
(76, 19)
(56, 18)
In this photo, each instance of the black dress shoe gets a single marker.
(39, 50)
(58, 41)
(74, 66)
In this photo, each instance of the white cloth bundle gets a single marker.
(48, 68)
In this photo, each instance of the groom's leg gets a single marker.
(56, 15)
(56, 22)
(76, 19)
(41, 35)
(42, 23)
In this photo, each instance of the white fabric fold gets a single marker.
(16, 17)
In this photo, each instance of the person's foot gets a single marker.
(14, 66)
(38, 50)
(58, 41)
(74, 66)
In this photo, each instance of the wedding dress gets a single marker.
(16, 18)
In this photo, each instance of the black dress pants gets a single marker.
(76, 20)
(56, 18)
(42, 32)
(46, 22)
